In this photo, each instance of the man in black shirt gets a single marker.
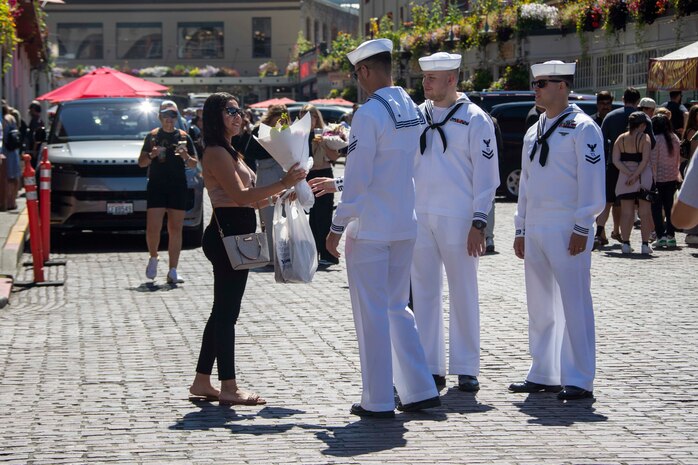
(679, 113)
(36, 133)
(604, 104)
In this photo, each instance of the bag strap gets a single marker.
(220, 230)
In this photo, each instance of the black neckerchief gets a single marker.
(542, 139)
(437, 126)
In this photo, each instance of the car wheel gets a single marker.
(512, 184)
(191, 238)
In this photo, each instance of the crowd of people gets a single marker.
(647, 149)
(18, 137)
(418, 188)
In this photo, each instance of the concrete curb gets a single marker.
(11, 253)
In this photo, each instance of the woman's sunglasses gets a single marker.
(541, 83)
(232, 111)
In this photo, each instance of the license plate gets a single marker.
(121, 208)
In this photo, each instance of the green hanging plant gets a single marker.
(8, 33)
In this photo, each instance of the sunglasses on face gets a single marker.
(169, 114)
(541, 83)
(355, 74)
(233, 111)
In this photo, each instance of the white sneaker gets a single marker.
(173, 277)
(151, 271)
(646, 249)
(626, 249)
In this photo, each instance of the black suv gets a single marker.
(491, 98)
(512, 122)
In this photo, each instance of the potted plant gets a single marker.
(592, 18)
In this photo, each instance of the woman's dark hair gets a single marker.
(636, 119)
(692, 122)
(214, 127)
(662, 125)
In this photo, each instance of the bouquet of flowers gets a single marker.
(288, 145)
(336, 136)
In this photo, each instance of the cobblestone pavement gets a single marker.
(97, 370)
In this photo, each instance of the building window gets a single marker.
(261, 37)
(325, 36)
(584, 78)
(636, 67)
(80, 41)
(138, 40)
(200, 40)
(308, 32)
(610, 69)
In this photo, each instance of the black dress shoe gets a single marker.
(574, 393)
(357, 409)
(440, 381)
(528, 386)
(468, 383)
(420, 405)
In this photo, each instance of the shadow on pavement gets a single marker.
(457, 401)
(360, 437)
(212, 416)
(631, 256)
(547, 410)
(152, 287)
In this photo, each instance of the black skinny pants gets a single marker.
(664, 202)
(321, 216)
(218, 342)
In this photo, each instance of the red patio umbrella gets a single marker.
(104, 82)
(332, 101)
(274, 101)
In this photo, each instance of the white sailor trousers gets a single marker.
(442, 243)
(389, 348)
(560, 309)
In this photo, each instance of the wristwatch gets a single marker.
(479, 224)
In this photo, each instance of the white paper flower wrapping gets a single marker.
(288, 147)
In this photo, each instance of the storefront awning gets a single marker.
(676, 71)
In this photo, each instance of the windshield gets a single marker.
(131, 120)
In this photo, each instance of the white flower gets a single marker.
(208, 71)
(537, 11)
(155, 71)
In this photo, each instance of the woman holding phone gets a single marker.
(167, 152)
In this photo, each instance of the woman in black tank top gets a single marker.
(631, 155)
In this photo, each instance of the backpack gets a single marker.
(12, 140)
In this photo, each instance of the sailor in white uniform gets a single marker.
(561, 191)
(377, 210)
(456, 177)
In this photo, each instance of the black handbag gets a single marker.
(651, 195)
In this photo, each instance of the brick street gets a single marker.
(97, 371)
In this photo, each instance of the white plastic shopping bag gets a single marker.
(295, 260)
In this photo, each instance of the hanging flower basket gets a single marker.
(592, 19)
(647, 11)
(685, 7)
(616, 17)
